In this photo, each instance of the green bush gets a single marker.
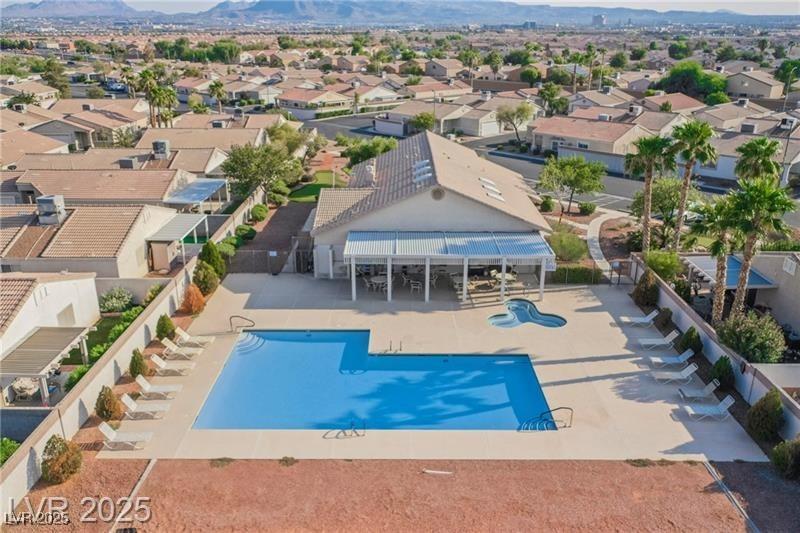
(116, 331)
(115, 300)
(209, 254)
(97, 351)
(75, 376)
(205, 278)
(259, 212)
(722, 371)
(130, 315)
(137, 366)
(233, 240)
(663, 318)
(781, 246)
(7, 448)
(765, 418)
(586, 208)
(633, 242)
(759, 339)
(646, 291)
(666, 264)
(165, 328)
(690, 340)
(245, 232)
(568, 246)
(226, 250)
(786, 458)
(683, 289)
(60, 460)
(547, 204)
(108, 406)
(575, 274)
(152, 292)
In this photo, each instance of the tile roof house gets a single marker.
(754, 84)
(45, 95)
(443, 68)
(449, 90)
(308, 103)
(608, 96)
(182, 138)
(15, 144)
(658, 122)
(731, 115)
(678, 102)
(450, 118)
(70, 106)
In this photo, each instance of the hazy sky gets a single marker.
(759, 7)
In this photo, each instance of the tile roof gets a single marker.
(180, 138)
(17, 143)
(679, 101)
(13, 220)
(578, 128)
(79, 235)
(70, 106)
(15, 292)
(130, 186)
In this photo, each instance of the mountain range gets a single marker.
(370, 12)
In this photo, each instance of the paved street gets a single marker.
(353, 126)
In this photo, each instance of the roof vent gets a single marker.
(217, 123)
(487, 181)
(161, 149)
(496, 196)
(51, 209)
(748, 69)
(747, 127)
(720, 68)
(743, 102)
(604, 117)
(437, 193)
(238, 113)
(20, 108)
(126, 162)
(87, 107)
(788, 123)
(606, 89)
(635, 110)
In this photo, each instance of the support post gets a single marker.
(208, 235)
(84, 351)
(183, 252)
(389, 279)
(464, 280)
(330, 262)
(541, 280)
(427, 279)
(353, 278)
(503, 279)
(43, 389)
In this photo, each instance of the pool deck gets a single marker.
(592, 365)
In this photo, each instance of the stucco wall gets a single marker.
(785, 300)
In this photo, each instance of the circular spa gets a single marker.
(522, 311)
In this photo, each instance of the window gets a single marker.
(585, 146)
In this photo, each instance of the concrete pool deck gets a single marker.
(591, 365)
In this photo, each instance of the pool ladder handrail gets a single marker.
(249, 324)
(539, 423)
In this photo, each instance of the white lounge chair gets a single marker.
(665, 342)
(115, 440)
(173, 351)
(683, 376)
(642, 321)
(144, 410)
(171, 368)
(672, 360)
(161, 392)
(184, 339)
(699, 394)
(717, 412)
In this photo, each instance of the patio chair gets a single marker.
(717, 412)
(368, 284)
(670, 360)
(134, 410)
(416, 286)
(118, 440)
(640, 321)
(683, 376)
(173, 351)
(160, 392)
(699, 394)
(164, 368)
(406, 279)
(664, 342)
(197, 341)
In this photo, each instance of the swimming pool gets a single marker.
(521, 311)
(328, 380)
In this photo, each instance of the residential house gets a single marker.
(70, 106)
(15, 144)
(443, 91)
(110, 122)
(676, 102)
(450, 118)
(607, 96)
(726, 144)
(731, 115)
(443, 68)
(658, 122)
(637, 81)
(306, 104)
(182, 138)
(186, 87)
(754, 84)
(45, 95)
(355, 63)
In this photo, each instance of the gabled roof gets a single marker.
(180, 138)
(578, 128)
(679, 101)
(761, 76)
(129, 186)
(15, 144)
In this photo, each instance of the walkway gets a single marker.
(593, 237)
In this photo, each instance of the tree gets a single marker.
(314, 144)
(95, 92)
(60, 460)
(363, 149)
(200, 108)
(137, 366)
(726, 53)
(637, 54)
(108, 406)
(518, 57)
(589, 57)
(211, 255)
(692, 142)
(689, 78)
(129, 77)
(53, 75)
(530, 76)
(147, 84)
(515, 116)
(550, 93)
(716, 221)
(494, 60)
(619, 60)
(571, 175)
(23, 98)
(205, 277)
(665, 107)
(217, 91)
(763, 44)
(576, 59)
(788, 71)
(757, 158)
(423, 121)
(603, 51)
(679, 50)
(653, 155)
(559, 76)
(469, 57)
(717, 98)
(124, 138)
(759, 205)
(260, 167)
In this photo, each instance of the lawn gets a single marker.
(95, 337)
(309, 193)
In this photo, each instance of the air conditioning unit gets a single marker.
(788, 123)
(238, 113)
(743, 102)
(217, 123)
(51, 209)
(604, 117)
(747, 127)
(87, 107)
(161, 149)
(606, 89)
(20, 108)
(720, 68)
(635, 110)
(127, 163)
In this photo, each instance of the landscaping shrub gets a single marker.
(7, 448)
(259, 212)
(130, 315)
(97, 351)
(193, 301)
(666, 264)
(683, 289)
(576, 274)
(60, 460)
(233, 240)
(759, 339)
(690, 340)
(765, 417)
(586, 208)
(568, 246)
(646, 291)
(663, 318)
(75, 376)
(722, 371)
(781, 246)
(245, 232)
(116, 331)
(786, 458)
(152, 292)
(547, 204)
(205, 278)
(116, 299)
(226, 250)
(633, 242)
(209, 254)
(108, 406)
(165, 328)
(137, 366)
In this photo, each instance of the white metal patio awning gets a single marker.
(178, 227)
(196, 192)
(43, 348)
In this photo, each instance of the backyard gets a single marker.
(323, 179)
(96, 337)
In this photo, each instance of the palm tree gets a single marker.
(148, 83)
(129, 77)
(717, 221)
(693, 144)
(576, 59)
(167, 102)
(654, 155)
(590, 56)
(603, 51)
(217, 91)
(757, 158)
(758, 208)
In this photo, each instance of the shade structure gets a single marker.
(34, 356)
(196, 192)
(706, 265)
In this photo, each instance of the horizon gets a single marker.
(744, 7)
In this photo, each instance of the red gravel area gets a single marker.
(200, 495)
(613, 234)
(276, 232)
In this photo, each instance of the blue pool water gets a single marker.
(523, 311)
(327, 380)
